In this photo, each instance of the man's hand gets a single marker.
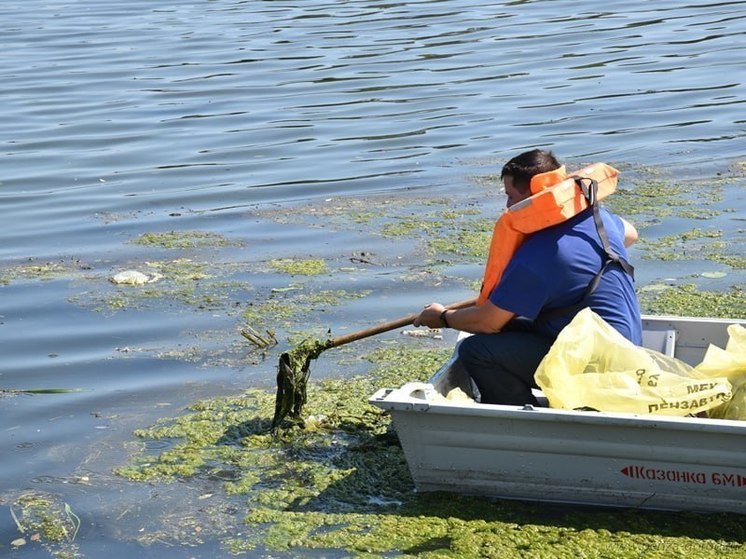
(430, 316)
(630, 233)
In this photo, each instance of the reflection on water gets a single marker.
(138, 116)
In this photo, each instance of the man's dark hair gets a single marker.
(524, 166)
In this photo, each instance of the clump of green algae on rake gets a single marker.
(292, 379)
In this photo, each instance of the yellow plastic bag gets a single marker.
(731, 363)
(591, 365)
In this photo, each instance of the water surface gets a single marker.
(135, 117)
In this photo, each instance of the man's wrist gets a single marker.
(444, 319)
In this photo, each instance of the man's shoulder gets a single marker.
(585, 220)
(575, 223)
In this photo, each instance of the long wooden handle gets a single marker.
(391, 325)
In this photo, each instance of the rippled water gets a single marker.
(121, 118)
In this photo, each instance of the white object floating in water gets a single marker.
(133, 277)
(434, 333)
(713, 275)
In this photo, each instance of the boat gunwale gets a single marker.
(385, 399)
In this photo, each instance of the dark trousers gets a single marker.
(503, 365)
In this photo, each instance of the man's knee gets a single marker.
(506, 361)
(473, 349)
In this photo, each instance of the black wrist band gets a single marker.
(443, 319)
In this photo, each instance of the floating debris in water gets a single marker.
(257, 339)
(434, 333)
(133, 277)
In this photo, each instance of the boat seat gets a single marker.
(663, 341)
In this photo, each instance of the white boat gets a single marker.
(581, 457)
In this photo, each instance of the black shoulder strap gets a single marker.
(589, 188)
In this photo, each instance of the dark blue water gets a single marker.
(121, 118)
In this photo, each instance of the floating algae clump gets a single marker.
(185, 240)
(470, 245)
(44, 271)
(182, 281)
(309, 267)
(287, 305)
(43, 518)
(687, 300)
(663, 197)
(695, 244)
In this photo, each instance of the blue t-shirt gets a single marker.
(553, 267)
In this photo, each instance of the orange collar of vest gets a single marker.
(543, 181)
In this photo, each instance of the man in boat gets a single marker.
(537, 278)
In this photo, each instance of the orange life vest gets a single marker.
(555, 198)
